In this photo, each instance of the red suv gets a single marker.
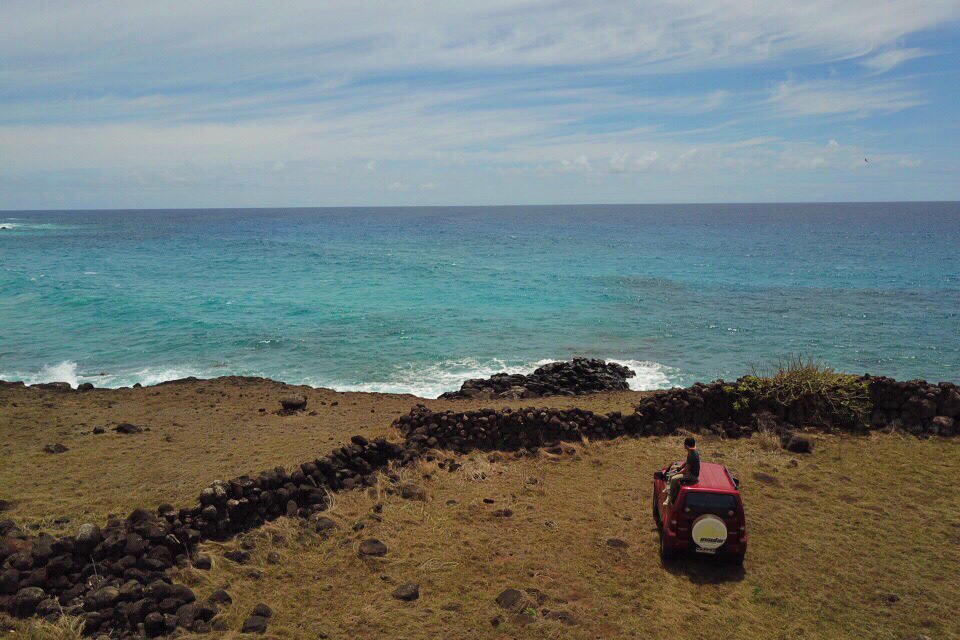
(707, 517)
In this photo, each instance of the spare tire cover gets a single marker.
(709, 532)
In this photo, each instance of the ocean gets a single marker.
(418, 299)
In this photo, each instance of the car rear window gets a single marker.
(710, 501)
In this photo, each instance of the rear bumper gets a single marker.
(679, 543)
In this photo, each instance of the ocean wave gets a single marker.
(5, 225)
(424, 381)
(429, 381)
(69, 371)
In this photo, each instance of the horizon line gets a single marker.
(480, 206)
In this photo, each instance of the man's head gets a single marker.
(690, 443)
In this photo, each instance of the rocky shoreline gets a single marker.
(576, 377)
(116, 578)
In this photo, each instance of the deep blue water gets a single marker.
(417, 299)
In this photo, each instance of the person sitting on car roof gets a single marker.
(688, 473)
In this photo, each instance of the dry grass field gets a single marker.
(858, 540)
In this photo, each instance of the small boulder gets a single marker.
(943, 425)
(799, 444)
(411, 491)
(407, 592)
(55, 448)
(127, 428)
(221, 597)
(202, 561)
(262, 610)
(88, 537)
(325, 525)
(373, 548)
(25, 602)
(154, 625)
(510, 598)
(238, 555)
(254, 624)
(293, 403)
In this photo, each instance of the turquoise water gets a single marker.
(417, 299)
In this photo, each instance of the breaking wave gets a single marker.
(425, 381)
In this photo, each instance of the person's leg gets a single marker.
(674, 489)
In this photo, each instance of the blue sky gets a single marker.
(203, 104)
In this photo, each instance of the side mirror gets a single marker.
(736, 483)
(658, 475)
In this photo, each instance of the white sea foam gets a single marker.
(65, 371)
(431, 380)
(425, 381)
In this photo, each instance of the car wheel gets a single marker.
(667, 554)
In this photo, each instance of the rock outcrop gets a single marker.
(578, 376)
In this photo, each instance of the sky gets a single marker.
(216, 103)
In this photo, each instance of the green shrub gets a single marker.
(828, 396)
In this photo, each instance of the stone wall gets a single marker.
(731, 410)
(115, 578)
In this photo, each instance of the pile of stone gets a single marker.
(505, 430)
(726, 409)
(115, 579)
(579, 376)
(915, 406)
(227, 508)
(718, 408)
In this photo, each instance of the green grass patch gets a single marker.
(826, 395)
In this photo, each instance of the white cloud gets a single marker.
(840, 98)
(890, 58)
(178, 92)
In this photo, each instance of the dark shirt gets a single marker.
(693, 462)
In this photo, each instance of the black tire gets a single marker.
(667, 555)
(656, 511)
(736, 559)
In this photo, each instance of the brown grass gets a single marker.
(856, 541)
(199, 432)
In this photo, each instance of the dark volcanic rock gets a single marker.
(26, 601)
(411, 491)
(510, 598)
(799, 444)
(239, 556)
(373, 547)
(293, 403)
(325, 525)
(254, 624)
(127, 428)
(262, 610)
(55, 448)
(578, 376)
(408, 591)
(220, 596)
